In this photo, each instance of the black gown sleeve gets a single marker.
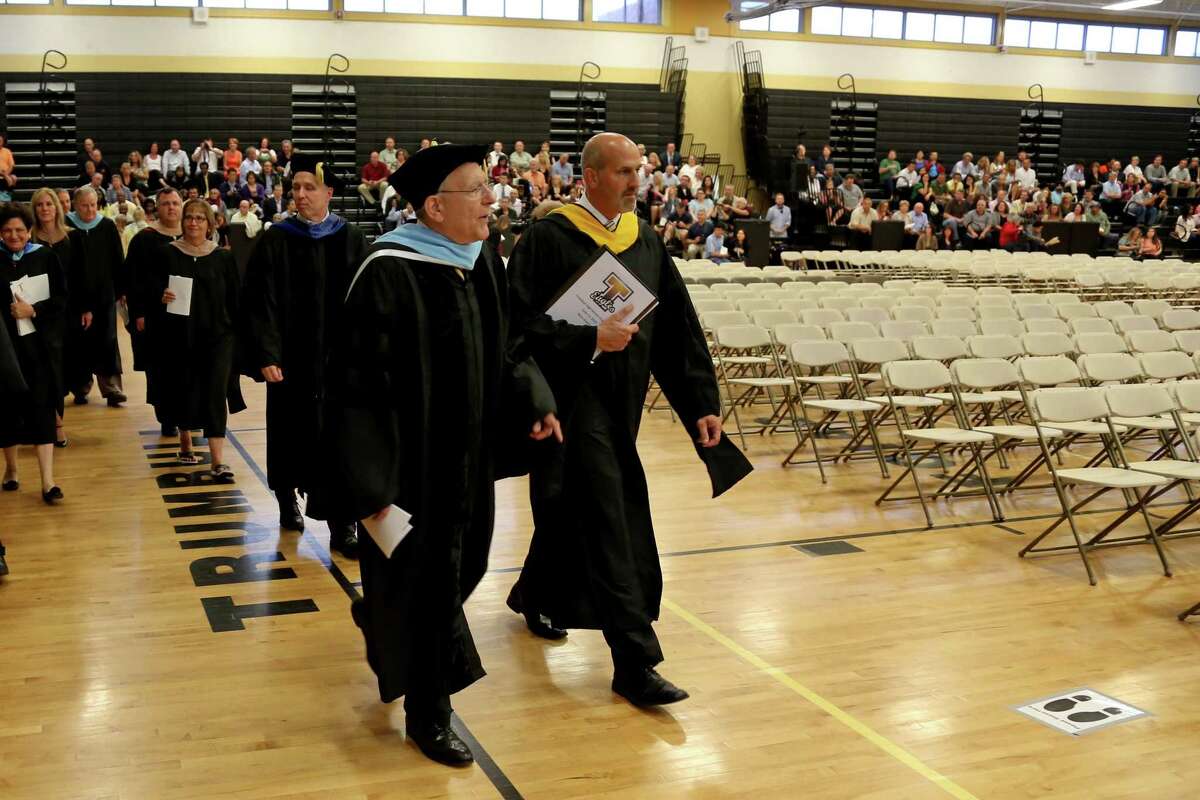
(679, 356)
(370, 373)
(115, 256)
(81, 299)
(262, 338)
(53, 308)
(536, 273)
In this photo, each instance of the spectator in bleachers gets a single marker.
(1095, 213)
(1185, 224)
(684, 189)
(688, 170)
(1135, 168)
(537, 176)
(861, 219)
(1073, 178)
(1152, 246)
(374, 178)
(1053, 214)
(266, 154)
(249, 164)
(954, 214)
(730, 207)
(825, 160)
(557, 190)
(395, 214)
(85, 154)
(269, 177)
(906, 179)
(965, 166)
(934, 166)
(980, 227)
(698, 234)
(253, 191)
(245, 216)
(642, 154)
(1111, 192)
(670, 157)
(493, 158)
(1131, 243)
(205, 181)
(831, 175)
(173, 159)
(117, 192)
(919, 221)
(151, 162)
(283, 158)
(1181, 180)
(809, 192)
(926, 240)
(831, 202)
(1142, 206)
(8, 165)
(388, 154)
(216, 201)
(851, 193)
(207, 154)
(996, 166)
(498, 169)
(275, 208)
(519, 159)
(502, 190)
(1026, 175)
(231, 189)
(714, 246)
(702, 202)
(972, 190)
(1156, 173)
(923, 191)
(903, 213)
(233, 155)
(563, 169)
(544, 157)
(798, 169)
(920, 163)
(1076, 213)
(889, 169)
(678, 220)
(739, 247)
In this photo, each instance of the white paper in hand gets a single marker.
(182, 288)
(390, 531)
(599, 290)
(20, 294)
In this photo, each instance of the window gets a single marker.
(512, 9)
(779, 22)
(883, 23)
(290, 5)
(642, 12)
(1186, 44)
(163, 3)
(25, 2)
(1046, 34)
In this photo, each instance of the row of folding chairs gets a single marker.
(913, 383)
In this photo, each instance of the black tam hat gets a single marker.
(423, 172)
(317, 165)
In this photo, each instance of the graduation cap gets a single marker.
(317, 165)
(423, 172)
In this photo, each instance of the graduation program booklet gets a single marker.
(33, 290)
(390, 531)
(182, 288)
(601, 288)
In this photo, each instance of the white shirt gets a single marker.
(250, 220)
(1133, 169)
(609, 224)
(173, 159)
(502, 191)
(152, 163)
(689, 170)
(1026, 177)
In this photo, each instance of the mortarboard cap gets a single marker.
(317, 165)
(423, 172)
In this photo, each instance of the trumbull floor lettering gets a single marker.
(222, 612)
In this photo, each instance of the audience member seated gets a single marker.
(233, 155)
(253, 191)
(697, 235)
(953, 214)
(173, 159)
(231, 188)
(117, 192)
(677, 222)
(503, 191)
(245, 216)
(275, 208)
(918, 221)
(981, 227)
(374, 179)
(1152, 246)
(1131, 243)
(1142, 206)
(702, 202)
(861, 219)
(1156, 174)
(208, 156)
(714, 246)
(1180, 180)
(250, 164)
(738, 247)
(926, 240)
(519, 159)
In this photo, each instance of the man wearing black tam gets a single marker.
(429, 401)
(593, 562)
(293, 291)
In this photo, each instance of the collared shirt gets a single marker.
(389, 157)
(173, 159)
(1133, 169)
(964, 169)
(714, 246)
(1156, 172)
(520, 161)
(609, 224)
(851, 195)
(780, 219)
(564, 171)
(1073, 173)
(1026, 177)
(919, 221)
(707, 206)
(248, 165)
(1113, 188)
(978, 222)
(863, 217)
(1180, 174)
(907, 177)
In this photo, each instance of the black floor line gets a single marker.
(486, 763)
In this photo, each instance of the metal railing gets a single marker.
(50, 108)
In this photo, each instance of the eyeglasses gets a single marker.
(477, 193)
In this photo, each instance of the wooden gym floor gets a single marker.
(137, 664)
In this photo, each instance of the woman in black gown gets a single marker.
(50, 230)
(191, 356)
(33, 321)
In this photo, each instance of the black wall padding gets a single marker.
(126, 111)
(1097, 133)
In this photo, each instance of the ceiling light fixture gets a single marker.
(1126, 5)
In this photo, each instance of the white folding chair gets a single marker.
(1181, 319)
(1100, 343)
(1155, 341)
(1001, 327)
(962, 328)
(1135, 323)
(753, 349)
(1091, 325)
(904, 330)
(1047, 326)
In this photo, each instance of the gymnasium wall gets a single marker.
(232, 50)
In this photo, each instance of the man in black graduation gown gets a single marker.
(96, 280)
(427, 395)
(593, 562)
(294, 289)
(146, 251)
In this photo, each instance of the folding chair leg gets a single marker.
(993, 502)
(1162, 556)
(1194, 610)
(1069, 516)
(916, 481)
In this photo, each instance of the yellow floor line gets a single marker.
(883, 743)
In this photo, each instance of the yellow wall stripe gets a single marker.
(882, 742)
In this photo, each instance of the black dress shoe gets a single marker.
(115, 400)
(343, 537)
(645, 687)
(52, 495)
(3, 563)
(439, 742)
(81, 400)
(10, 486)
(539, 624)
(289, 511)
